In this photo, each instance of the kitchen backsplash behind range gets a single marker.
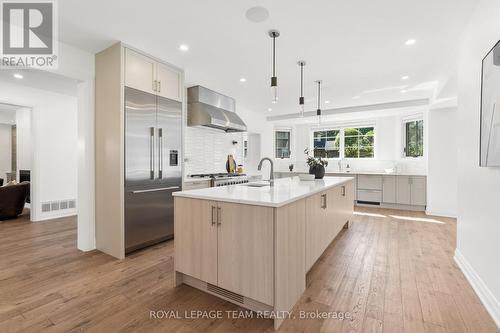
(206, 150)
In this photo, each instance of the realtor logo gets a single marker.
(28, 34)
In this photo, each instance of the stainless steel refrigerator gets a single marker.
(152, 167)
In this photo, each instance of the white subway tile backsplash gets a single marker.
(206, 150)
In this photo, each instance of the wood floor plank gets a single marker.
(391, 271)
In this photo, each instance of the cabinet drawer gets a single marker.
(370, 195)
(368, 182)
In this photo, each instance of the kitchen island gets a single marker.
(254, 245)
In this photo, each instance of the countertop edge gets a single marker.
(186, 194)
(374, 173)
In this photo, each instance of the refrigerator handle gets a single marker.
(160, 153)
(151, 153)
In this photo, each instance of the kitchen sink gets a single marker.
(257, 184)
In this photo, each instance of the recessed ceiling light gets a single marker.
(18, 76)
(269, 109)
(257, 14)
(404, 91)
(410, 41)
(356, 97)
(183, 47)
(406, 77)
(243, 79)
(327, 102)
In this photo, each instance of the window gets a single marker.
(413, 138)
(327, 144)
(359, 142)
(352, 142)
(282, 144)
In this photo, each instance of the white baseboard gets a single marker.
(489, 300)
(51, 216)
(440, 213)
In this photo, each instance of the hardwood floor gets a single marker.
(392, 271)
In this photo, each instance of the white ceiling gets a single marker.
(356, 47)
(39, 79)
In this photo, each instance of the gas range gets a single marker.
(223, 179)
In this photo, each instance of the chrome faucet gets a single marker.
(271, 176)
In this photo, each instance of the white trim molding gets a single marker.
(489, 301)
(441, 213)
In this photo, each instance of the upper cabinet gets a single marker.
(146, 74)
(139, 72)
(168, 81)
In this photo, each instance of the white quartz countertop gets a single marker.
(284, 191)
(357, 172)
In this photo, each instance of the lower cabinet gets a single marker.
(257, 256)
(196, 240)
(228, 245)
(389, 189)
(418, 191)
(316, 222)
(326, 213)
(403, 190)
(411, 190)
(245, 250)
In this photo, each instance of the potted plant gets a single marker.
(316, 165)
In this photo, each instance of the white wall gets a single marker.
(78, 64)
(54, 144)
(478, 188)
(388, 145)
(442, 162)
(23, 139)
(5, 150)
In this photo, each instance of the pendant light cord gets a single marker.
(301, 80)
(319, 94)
(274, 55)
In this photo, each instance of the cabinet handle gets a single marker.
(323, 204)
(154, 85)
(219, 216)
(151, 153)
(159, 86)
(160, 153)
(343, 191)
(214, 215)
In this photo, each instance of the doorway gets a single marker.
(16, 162)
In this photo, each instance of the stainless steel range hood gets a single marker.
(210, 109)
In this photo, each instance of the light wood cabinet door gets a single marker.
(418, 191)
(350, 190)
(195, 242)
(315, 216)
(389, 189)
(320, 225)
(169, 82)
(246, 250)
(139, 72)
(335, 213)
(403, 191)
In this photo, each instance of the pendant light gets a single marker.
(318, 111)
(274, 79)
(301, 63)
